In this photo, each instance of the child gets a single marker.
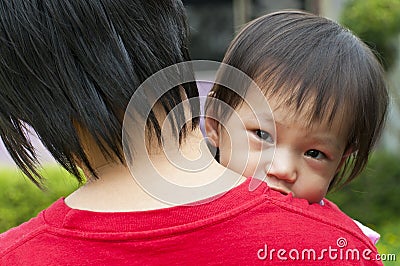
(328, 101)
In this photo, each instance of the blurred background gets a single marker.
(373, 198)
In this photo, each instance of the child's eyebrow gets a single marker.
(259, 118)
(322, 139)
(265, 116)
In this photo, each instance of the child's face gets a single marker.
(305, 159)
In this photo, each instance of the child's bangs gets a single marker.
(313, 96)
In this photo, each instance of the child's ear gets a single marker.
(346, 155)
(212, 131)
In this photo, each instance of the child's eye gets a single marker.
(315, 154)
(264, 135)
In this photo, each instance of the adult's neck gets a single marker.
(129, 187)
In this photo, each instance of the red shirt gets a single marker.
(239, 228)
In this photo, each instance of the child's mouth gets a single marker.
(280, 190)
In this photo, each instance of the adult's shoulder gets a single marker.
(17, 236)
(22, 234)
(302, 231)
(319, 220)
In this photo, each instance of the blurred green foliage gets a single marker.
(390, 242)
(377, 23)
(20, 199)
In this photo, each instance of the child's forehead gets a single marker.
(284, 105)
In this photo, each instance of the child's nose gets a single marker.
(283, 166)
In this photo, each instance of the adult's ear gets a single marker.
(212, 131)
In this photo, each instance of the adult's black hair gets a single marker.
(69, 63)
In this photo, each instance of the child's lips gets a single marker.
(278, 186)
(280, 190)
